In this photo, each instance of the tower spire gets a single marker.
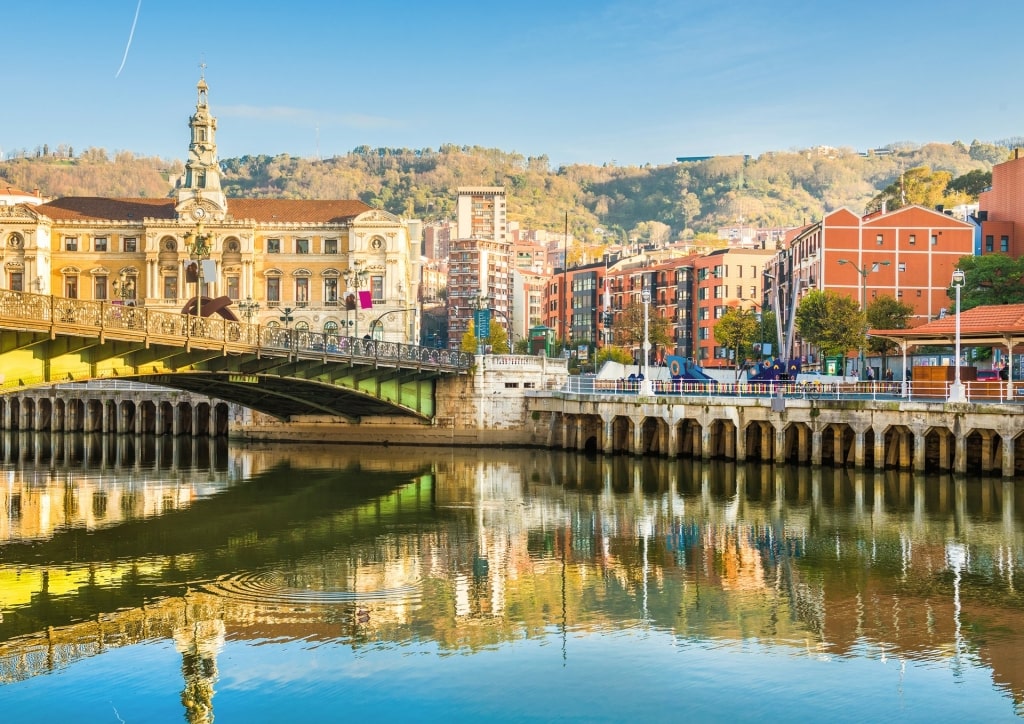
(201, 179)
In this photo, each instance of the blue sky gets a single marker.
(582, 81)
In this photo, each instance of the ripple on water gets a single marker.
(272, 587)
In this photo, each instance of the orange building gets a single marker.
(1001, 209)
(908, 254)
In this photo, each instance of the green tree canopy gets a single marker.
(918, 185)
(737, 330)
(887, 312)
(990, 279)
(832, 322)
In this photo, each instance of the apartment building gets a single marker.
(479, 261)
(909, 254)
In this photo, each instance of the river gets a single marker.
(157, 579)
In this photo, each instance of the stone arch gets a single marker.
(590, 432)
(983, 451)
(653, 437)
(622, 434)
(688, 433)
(759, 441)
(721, 439)
(899, 447)
(837, 444)
(796, 443)
(939, 448)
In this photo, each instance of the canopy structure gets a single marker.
(999, 325)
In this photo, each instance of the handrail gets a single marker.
(103, 318)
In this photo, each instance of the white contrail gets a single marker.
(130, 36)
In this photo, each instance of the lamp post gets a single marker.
(197, 244)
(249, 309)
(124, 288)
(646, 386)
(287, 318)
(864, 298)
(378, 325)
(353, 276)
(956, 390)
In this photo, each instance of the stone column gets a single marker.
(637, 447)
(780, 444)
(767, 441)
(1009, 441)
(608, 443)
(816, 448)
(673, 440)
(741, 444)
(919, 461)
(858, 449)
(960, 463)
(837, 446)
(986, 451)
(879, 449)
(705, 442)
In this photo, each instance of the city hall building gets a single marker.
(333, 266)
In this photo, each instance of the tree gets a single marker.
(887, 312)
(971, 183)
(612, 354)
(736, 330)
(496, 342)
(628, 330)
(990, 279)
(918, 185)
(832, 322)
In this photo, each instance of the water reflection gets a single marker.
(112, 541)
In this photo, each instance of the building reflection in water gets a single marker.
(472, 548)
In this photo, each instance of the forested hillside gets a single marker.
(779, 189)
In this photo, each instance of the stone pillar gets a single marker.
(837, 446)
(741, 444)
(944, 449)
(705, 442)
(637, 447)
(960, 463)
(919, 462)
(858, 449)
(879, 449)
(729, 447)
(137, 404)
(780, 445)
(767, 441)
(904, 447)
(986, 451)
(609, 441)
(176, 421)
(673, 440)
(563, 437)
(816, 447)
(1009, 442)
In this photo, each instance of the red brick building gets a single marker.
(1001, 209)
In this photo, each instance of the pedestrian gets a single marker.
(871, 374)
(888, 375)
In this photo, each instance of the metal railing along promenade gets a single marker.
(977, 392)
(91, 318)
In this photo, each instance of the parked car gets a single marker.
(988, 375)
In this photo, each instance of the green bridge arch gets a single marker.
(46, 340)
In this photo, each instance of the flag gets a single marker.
(365, 300)
(350, 301)
(191, 272)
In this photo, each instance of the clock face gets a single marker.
(198, 212)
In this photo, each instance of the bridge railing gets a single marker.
(92, 317)
(980, 392)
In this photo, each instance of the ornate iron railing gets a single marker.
(88, 318)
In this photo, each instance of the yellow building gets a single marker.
(334, 266)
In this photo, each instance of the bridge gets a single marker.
(48, 340)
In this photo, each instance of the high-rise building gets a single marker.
(479, 262)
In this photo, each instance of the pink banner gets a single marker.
(365, 300)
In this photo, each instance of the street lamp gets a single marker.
(125, 287)
(646, 386)
(956, 390)
(864, 297)
(377, 326)
(249, 309)
(353, 276)
(197, 244)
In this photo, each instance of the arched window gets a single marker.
(330, 327)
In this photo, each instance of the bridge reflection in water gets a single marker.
(375, 548)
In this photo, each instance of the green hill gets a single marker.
(604, 203)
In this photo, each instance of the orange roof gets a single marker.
(996, 321)
(94, 208)
(91, 208)
(14, 191)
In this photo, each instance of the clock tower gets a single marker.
(199, 196)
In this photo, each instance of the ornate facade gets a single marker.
(336, 266)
